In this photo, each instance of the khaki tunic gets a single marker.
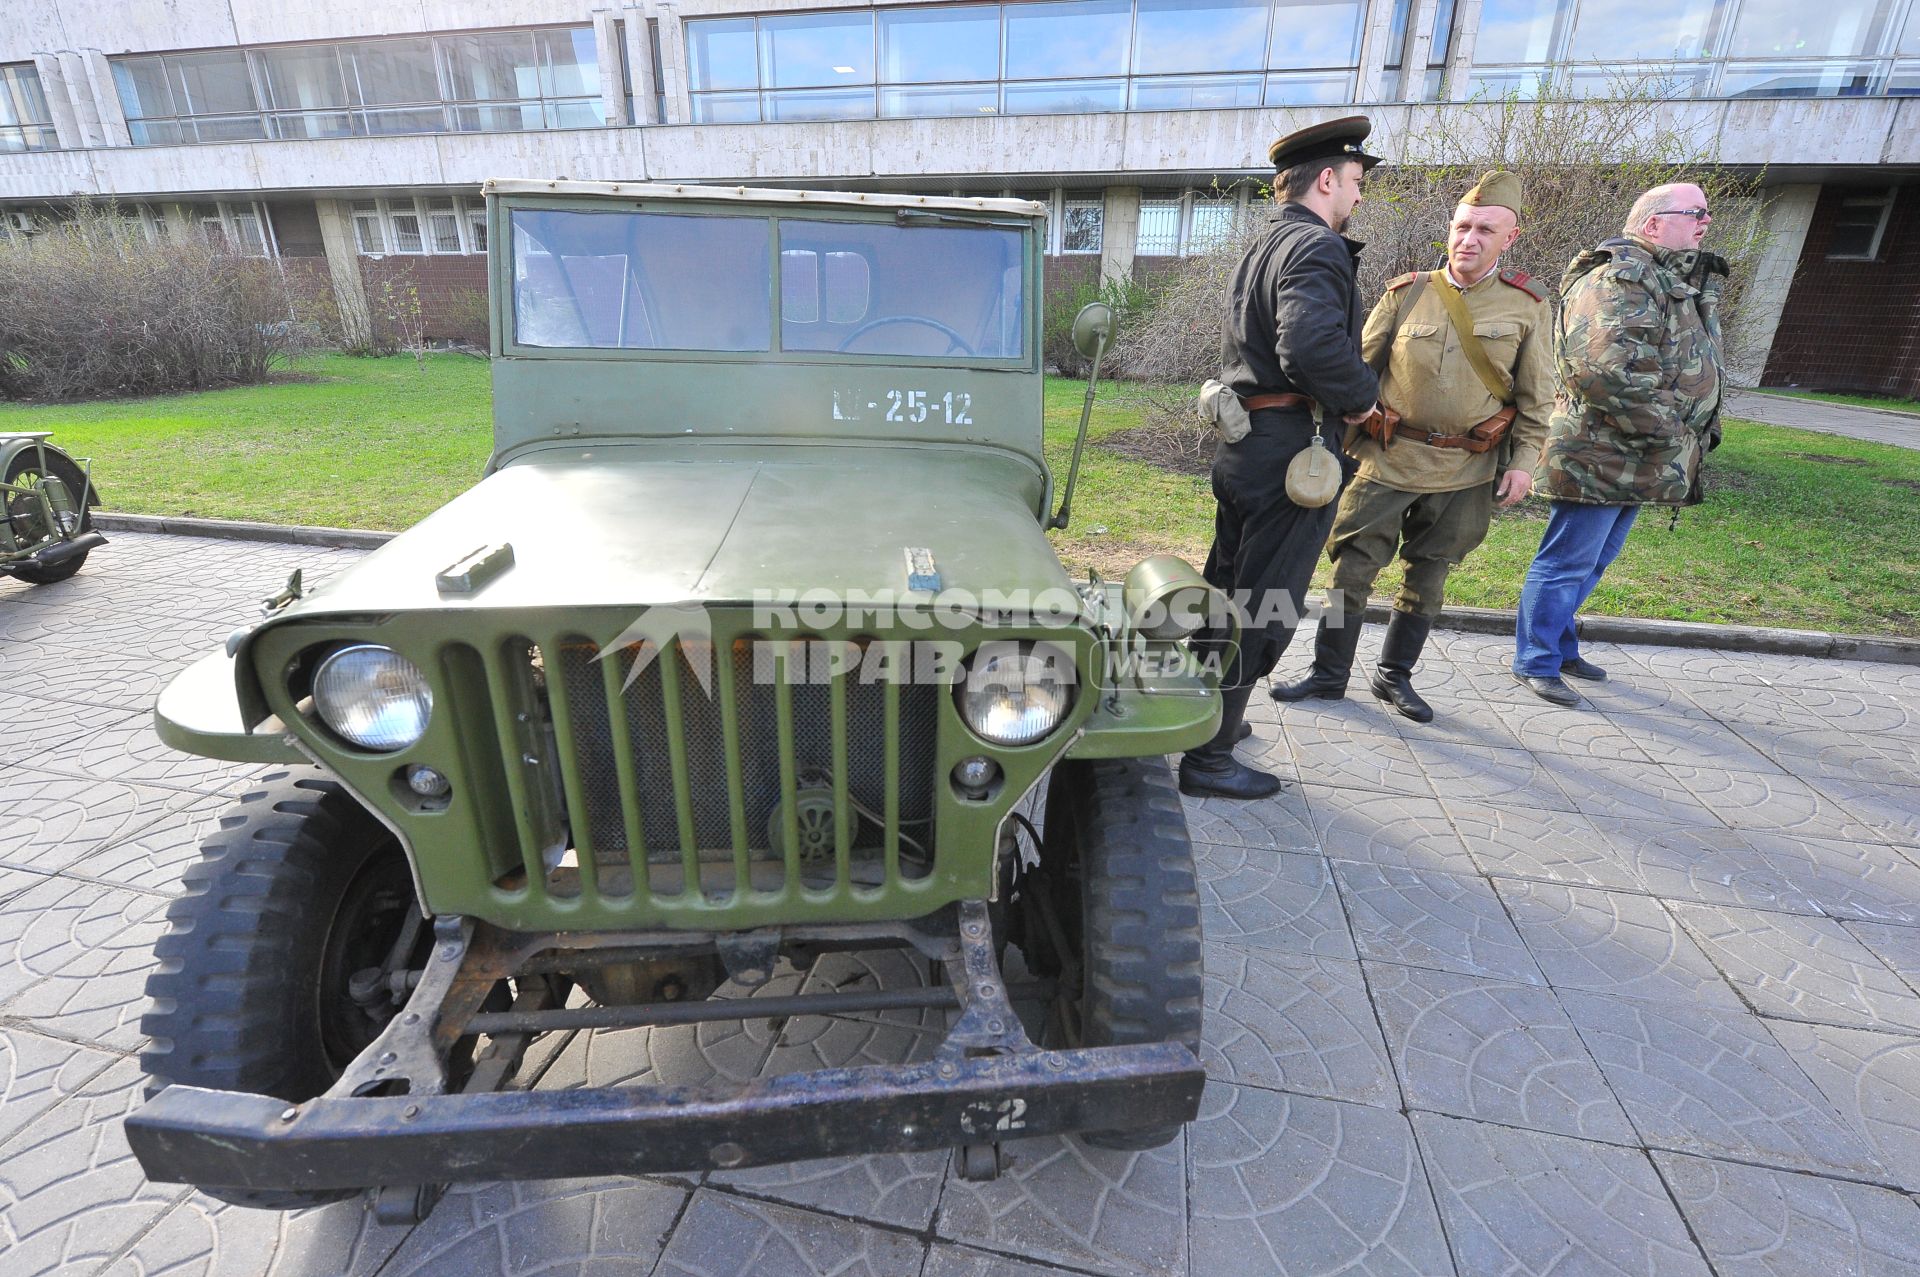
(1426, 377)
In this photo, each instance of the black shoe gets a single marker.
(1392, 679)
(1235, 779)
(1580, 667)
(1333, 649)
(1549, 689)
(1211, 770)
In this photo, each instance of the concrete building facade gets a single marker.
(350, 138)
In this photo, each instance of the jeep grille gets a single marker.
(781, 773)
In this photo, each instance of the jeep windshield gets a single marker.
(942, 289)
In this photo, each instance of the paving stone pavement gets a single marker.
(1628, 989)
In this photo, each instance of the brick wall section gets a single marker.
(1067, 271)
(1853, 326)
(452, 292)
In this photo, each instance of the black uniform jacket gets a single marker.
(1293, 318)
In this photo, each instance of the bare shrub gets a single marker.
(1583, 161)
(91, 308)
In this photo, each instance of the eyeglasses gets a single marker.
(1697, 214)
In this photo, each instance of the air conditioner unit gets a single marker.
(18, 219)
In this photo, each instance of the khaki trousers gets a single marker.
(1432, 531)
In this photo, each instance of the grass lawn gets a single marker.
(1803, 530)
(1883, 402)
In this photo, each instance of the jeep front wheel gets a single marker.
(1118, 851)
(299, 889)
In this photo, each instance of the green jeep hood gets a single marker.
(648, 524)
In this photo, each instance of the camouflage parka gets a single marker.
(1640, 364)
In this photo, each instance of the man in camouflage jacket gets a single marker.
(1640, 364)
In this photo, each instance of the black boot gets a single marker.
(1211, 770)
(1393, 677)
(1333, 649)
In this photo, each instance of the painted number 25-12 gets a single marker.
(904, 407)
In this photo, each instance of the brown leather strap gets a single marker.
(1254, 403)
(1483, 437)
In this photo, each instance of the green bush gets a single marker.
(1130, 302)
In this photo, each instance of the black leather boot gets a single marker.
(1333, 649)
(1393, 677)
(1211, 771)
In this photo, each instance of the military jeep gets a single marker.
(748, 647)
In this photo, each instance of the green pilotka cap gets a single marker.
(1497, 189)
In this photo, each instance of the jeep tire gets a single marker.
(299, 887)
(1116, 827)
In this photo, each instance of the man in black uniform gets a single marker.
(1292, 340)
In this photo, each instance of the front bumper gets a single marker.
(986, 1082)
(193, 1136)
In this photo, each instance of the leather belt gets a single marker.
(1254, 403)
(1405, 431)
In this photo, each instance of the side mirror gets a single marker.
(1092, 333)
(1093, 329)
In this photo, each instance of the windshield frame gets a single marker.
(500, 274)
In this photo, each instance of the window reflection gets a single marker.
(929, 100)
(919, 46)
(1309, 89)
(26, 124)
(1798, 80)
(1199, 35)
(816, 49)
(1058, 40)
(487, 81)
(1517, 30)
(1625, 30)
(1196, 92)
(721, 54)
(1316, 33)
(1070, 98)
(1795, 28)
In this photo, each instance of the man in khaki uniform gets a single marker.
(1428, 485)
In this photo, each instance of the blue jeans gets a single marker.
(1579, 543)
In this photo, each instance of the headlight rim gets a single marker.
(331, 722)
(1024, 648)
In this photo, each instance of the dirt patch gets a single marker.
(1111, 557)
(1912, 485)
(1831, 459)
(1180, 451)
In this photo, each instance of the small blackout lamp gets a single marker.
(1167, 600)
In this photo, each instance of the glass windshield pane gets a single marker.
(934, 45)
(1515, 31)
(641, 281)
(1798, 29)
(1316, 33)
(1053, 40)
(1618, 30)
(938, 292)
(1172, 36)
(816, 49)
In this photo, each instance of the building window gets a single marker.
(1186, 223)
(25, 122)
(494, 81)
(416, 226)
(1860, 225)
(240, 229)
(1042, 57)
(1081, 219)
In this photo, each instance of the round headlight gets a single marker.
(373, 697)
(1015, 693)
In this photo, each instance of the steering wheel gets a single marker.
(958, 341)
